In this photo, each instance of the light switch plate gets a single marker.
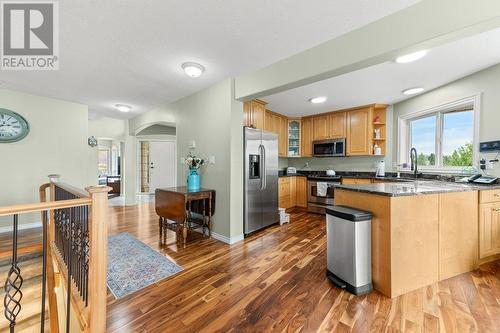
(211, 159)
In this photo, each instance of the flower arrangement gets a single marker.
(194, 162)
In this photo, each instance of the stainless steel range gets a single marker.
(316, 203)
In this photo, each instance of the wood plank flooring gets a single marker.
(275, 281)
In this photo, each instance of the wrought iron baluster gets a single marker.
(44, 270)
(69, 267)
(13, 284)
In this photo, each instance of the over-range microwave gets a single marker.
(329, 148)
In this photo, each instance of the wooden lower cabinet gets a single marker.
(356, 181)
(301, 187)
(418, 240)
(284, 200)
(458, 233)
(489, 229)
(292, 192)
(489, 225)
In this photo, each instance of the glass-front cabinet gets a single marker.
(294, 137)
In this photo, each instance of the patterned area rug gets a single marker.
(133, 265)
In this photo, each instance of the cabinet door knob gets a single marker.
(496, 195)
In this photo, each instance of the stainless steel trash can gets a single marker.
(348, 233)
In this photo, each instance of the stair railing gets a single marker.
(74, 251)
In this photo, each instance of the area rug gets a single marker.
(133, 265)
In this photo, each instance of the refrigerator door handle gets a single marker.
(262, 168)
(264, 174)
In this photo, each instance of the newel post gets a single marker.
(98, 261)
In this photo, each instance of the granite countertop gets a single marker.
(292, 175)
(419, 187)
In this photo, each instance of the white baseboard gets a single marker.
(21, 227)
(226, 239)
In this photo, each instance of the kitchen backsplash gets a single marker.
(361, 163)
(283, 163)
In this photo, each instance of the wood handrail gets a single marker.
(88, 298)
(43, 206)
(72, 189)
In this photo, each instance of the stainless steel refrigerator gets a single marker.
(261, 179)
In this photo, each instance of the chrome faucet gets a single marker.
(414, 161)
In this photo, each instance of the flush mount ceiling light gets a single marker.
(318, 100)
(411, 57)
(123, 107)
(413, 91)
(193, 69)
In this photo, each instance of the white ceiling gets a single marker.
(385, 82)
(130, 51)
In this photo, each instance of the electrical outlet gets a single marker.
(211, 159)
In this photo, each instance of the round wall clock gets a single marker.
(13, 126)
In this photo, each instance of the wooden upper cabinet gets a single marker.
(359, 132)
(321, 127)
(283, 137)
(254, 113)
(269, 122)
(259, 112)
(337, 125)
(306, 137)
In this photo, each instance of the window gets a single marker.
(458, 137)
(423, 138)
(443, 137)
(103, 159)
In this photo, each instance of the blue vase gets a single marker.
(193, 180)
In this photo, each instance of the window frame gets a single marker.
(404, 133)
(109, 166)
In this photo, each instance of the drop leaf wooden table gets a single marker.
(177, 204)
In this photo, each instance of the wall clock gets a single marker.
(13, 126)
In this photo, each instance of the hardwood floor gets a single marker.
(275, 281)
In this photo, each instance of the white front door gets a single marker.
(162, 171)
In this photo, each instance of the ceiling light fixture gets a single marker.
(193, 69)
(123, 107)
(413, 91)
(411, 57)
(318, 100)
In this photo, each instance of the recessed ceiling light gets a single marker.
(193, 69)
(411, 57)
(318, 100)
(123, 107)
(413, 91)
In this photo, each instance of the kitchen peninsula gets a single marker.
(426, 231)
